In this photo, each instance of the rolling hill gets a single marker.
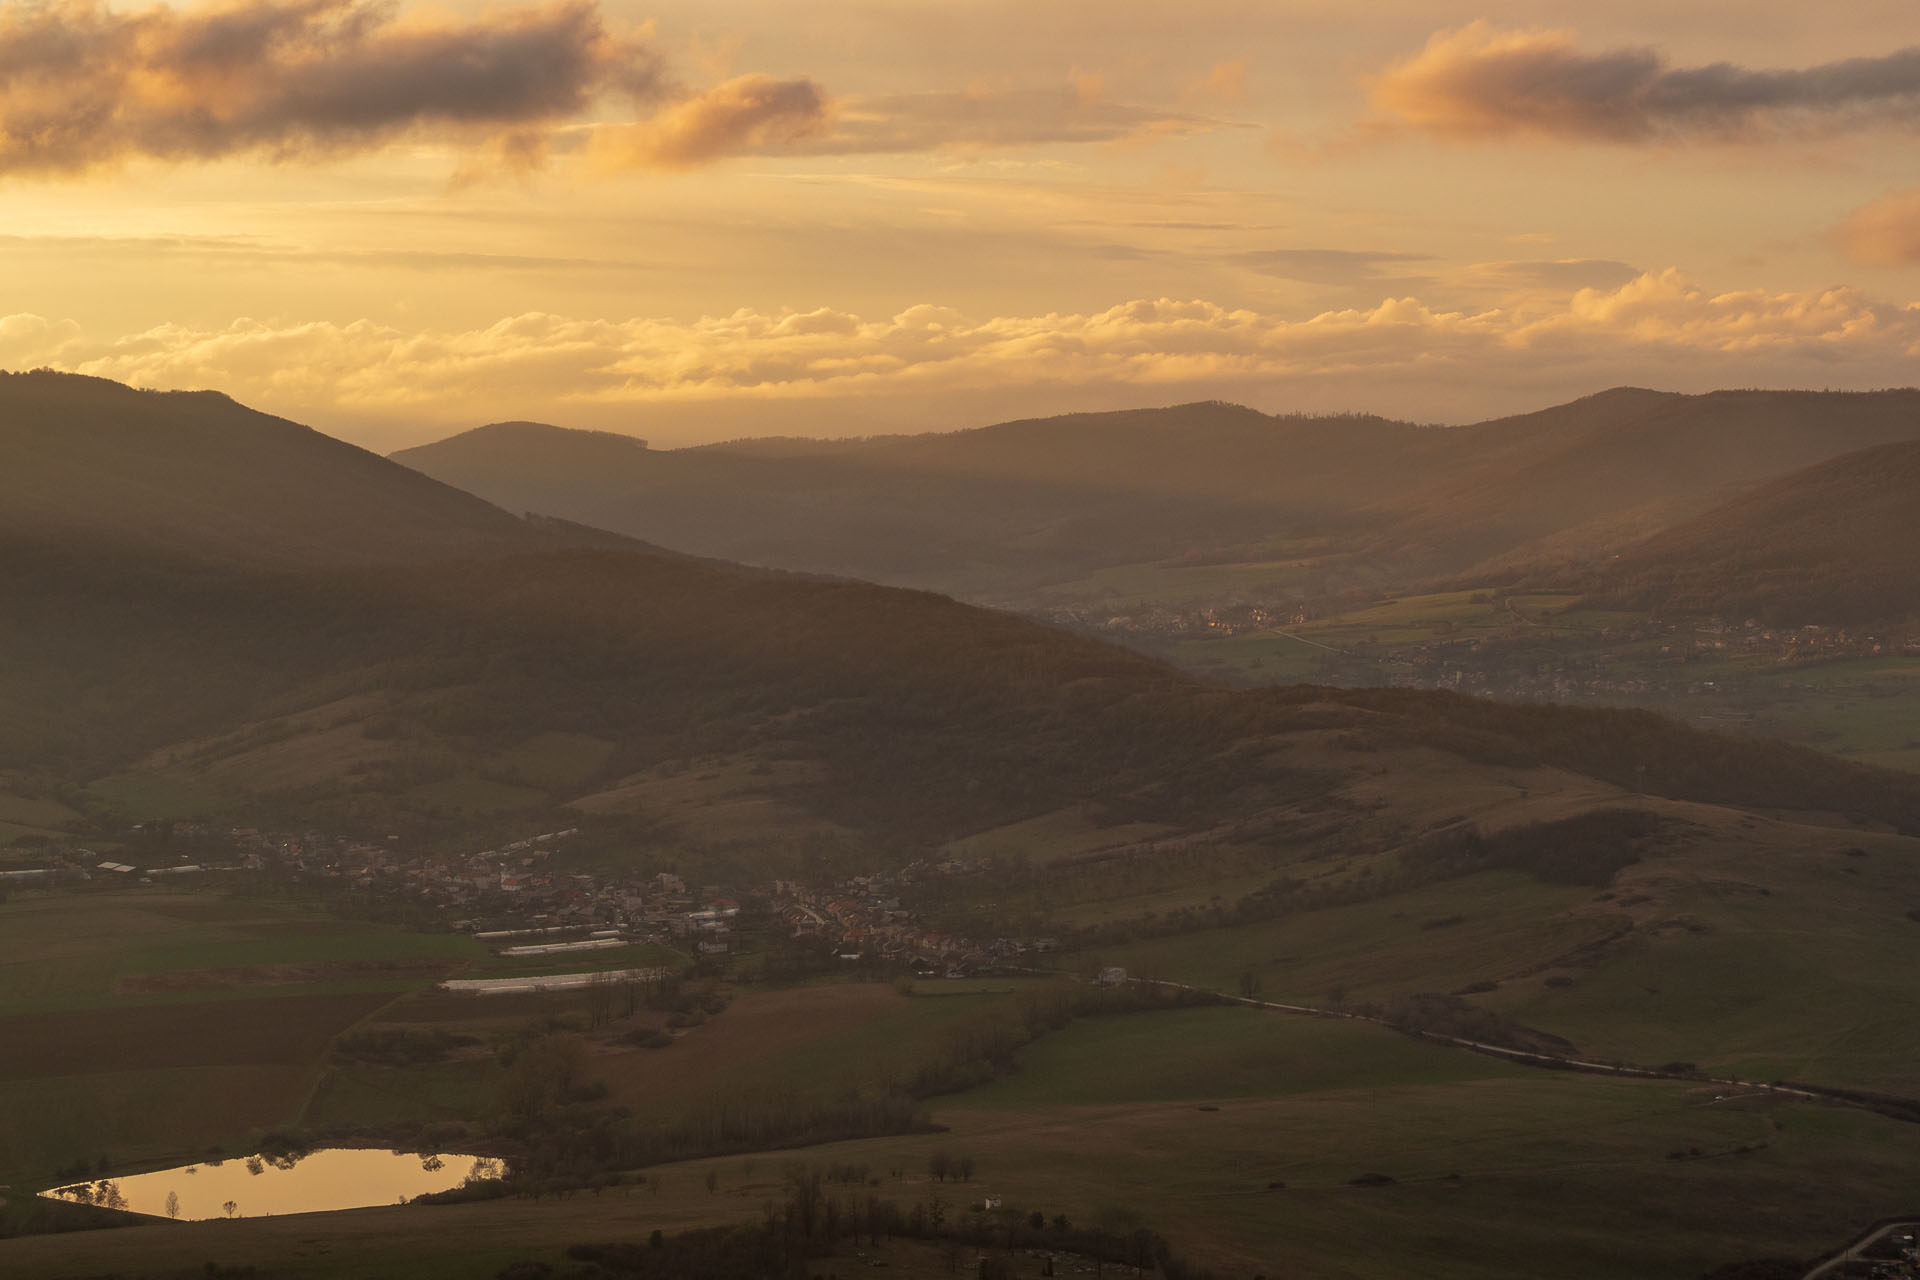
(1608, 879)
(1033, 510)
(194, 473)
(1837, 544)
(432, 692)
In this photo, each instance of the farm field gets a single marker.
(1765, 949)
(1188, 1121)
(216, 1019)
(147, 1025)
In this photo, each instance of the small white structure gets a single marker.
(1111, 976)
(548, 982)
(557, 948)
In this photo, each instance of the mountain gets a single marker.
(1026, 511)
(1657, 462)
(1558, 865)
(1837, 543)
(426, 694)
(196, 474)
(974, 513)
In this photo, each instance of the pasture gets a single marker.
(1238, 1134)
(147, 1024)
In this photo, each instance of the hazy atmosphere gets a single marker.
(957, 639)
(694, 221)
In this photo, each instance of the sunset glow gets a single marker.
(693, 221)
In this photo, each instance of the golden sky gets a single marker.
(695, 219)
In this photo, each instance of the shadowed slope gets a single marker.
(196, 473)
(1001, 511)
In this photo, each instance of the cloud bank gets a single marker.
(1479, 81)
(1655, 328)
(84, 87)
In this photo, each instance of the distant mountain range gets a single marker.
(207, 608)
(1035, 510)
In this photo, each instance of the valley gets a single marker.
(1469, 900)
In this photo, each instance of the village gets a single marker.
(522, 900)
(1650, 662)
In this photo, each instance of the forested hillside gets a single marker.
(196, 473)
(1295, 506)
(1837, 543)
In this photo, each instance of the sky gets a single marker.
(701, 219)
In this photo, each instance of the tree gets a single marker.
(173, 1204)
(599, 997)
(963, 1167)
(940, 1164)
(230, 1208)
(544, 1074)
(713, 1181)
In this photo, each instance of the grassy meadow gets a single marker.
(1236, 1133)
(148, 1025)
(152, 1025)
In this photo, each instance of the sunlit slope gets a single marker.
(1837, 543)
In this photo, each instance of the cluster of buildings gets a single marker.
(862, 919)
(523, 898)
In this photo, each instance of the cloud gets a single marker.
(1480, 81)
(1327, 266)
(1884, 233)
(1657, 328)
(82, 86)
(1559, 275)
(1226, 82)
(933, 121)
(749, 114)
(226, 252)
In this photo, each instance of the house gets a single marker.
(1111, 976)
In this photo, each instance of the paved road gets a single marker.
(1503, 1051)
(1853, 1250)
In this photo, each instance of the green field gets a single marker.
(147, 1024)
(1236, 1132)
(1380, 949)
(1207, 1054)
(1239, 1135)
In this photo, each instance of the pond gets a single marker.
(253, 1186)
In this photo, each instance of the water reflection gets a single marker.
(308, 1182)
